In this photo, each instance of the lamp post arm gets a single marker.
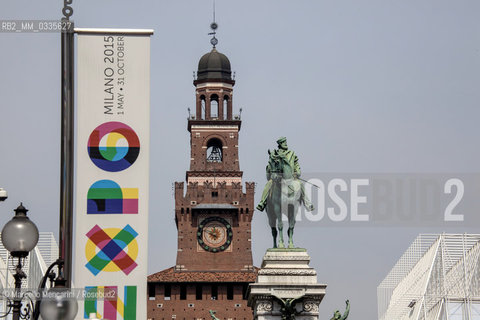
(43, 284)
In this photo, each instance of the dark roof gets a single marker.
(214, 66)
(170, 275)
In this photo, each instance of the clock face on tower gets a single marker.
(214, 234)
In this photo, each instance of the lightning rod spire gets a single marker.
(213, 26)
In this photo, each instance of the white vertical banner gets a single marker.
(112, 177)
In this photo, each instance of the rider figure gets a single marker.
(291, 158)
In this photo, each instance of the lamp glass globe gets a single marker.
(57, 304)
(20, 235)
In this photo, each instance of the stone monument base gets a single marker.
(286, 286)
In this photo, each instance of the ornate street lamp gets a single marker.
(20, 236)
(58, 302)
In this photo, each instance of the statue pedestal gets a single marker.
(286, 285)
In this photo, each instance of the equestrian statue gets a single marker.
(284, 192)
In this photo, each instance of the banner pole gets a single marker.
(67, 151)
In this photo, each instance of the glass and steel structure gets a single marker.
(437, 278)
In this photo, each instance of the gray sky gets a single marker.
(356, 86)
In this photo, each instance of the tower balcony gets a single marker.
(192, 121)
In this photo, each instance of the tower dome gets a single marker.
(214, 66)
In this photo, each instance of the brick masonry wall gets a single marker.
(190, 255)
(193, 309)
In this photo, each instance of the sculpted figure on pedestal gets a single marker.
(338, 316)
(284, 191)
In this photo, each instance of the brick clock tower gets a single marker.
(213, 217)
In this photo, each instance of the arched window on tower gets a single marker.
(225, 107)
(202, 110)
(214, 106)
(214, 150)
